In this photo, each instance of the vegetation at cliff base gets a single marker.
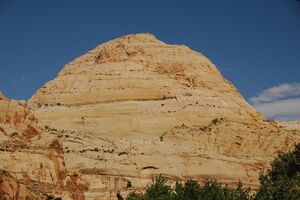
(280, 182)
(191, 190)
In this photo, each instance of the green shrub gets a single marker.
(282, 181)
(191, 190)
(158, 191)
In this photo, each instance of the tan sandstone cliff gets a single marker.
(290, 125)
(31, 162)
(135, 107)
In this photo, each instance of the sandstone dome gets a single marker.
(139, 73)
(135, 107)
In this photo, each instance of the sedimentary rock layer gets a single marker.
(135, 107)
(31, 162)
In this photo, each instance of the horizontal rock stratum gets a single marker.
(136, 107)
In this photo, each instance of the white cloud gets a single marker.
(281, 102)
(288, 109)
(282, 91)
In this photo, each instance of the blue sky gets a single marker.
(254, 43)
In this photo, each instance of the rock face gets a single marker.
(135, 107)
(31, 162)
(290, 125)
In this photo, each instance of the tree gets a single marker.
(157, 191)
(282, 181)
(191, 190)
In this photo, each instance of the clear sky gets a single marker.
(254, 43)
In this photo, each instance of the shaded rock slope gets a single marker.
(135, 107)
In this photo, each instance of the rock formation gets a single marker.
(135, 107)
(31, 162)
(290, 125)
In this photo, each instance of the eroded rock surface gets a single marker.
(31, 162)
(135, 107)
(290, 125)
